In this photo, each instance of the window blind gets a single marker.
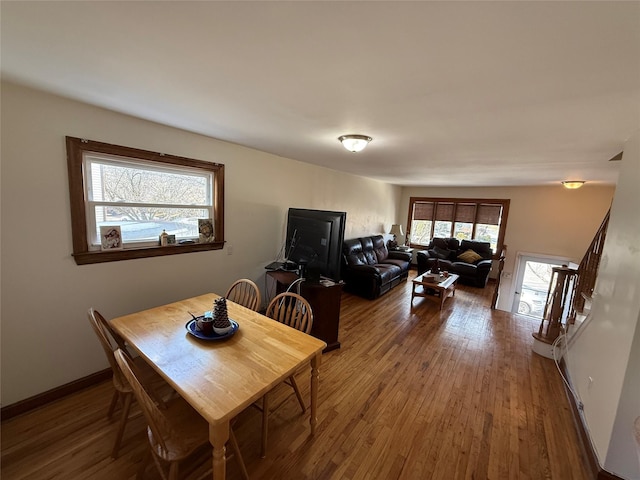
(466, 212)
(423, 211)
(489, 214)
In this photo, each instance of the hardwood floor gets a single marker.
(414, 393)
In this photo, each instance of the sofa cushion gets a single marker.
(353, 253)
(441, 253)
(481, 248)
(367, 250)
(380, 248)
(469, 256)
(465, 269)
(401, 264)
(446, 243)
(388, 272)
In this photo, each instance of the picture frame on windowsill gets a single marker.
(110, 237)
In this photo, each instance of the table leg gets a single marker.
(315, 365)
(265, 425)
(218, 436)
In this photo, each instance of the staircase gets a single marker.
(570, 294)
(587, 274)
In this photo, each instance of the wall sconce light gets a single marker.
(354, 143)
(573, 184)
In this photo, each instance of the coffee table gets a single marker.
(437, 290)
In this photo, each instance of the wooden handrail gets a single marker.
(496, 291)
(588, 271)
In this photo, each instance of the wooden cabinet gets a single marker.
(324, 301)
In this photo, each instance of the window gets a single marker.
(143, 194)
(464, 219)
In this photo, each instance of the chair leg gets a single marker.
(298, 394)
(143, 465)
(173, 471)
(160, 467)
(114, 403)
(236, 451)
(128, 397)
(265, 425)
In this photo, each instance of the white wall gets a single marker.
(548, 220)
(602, 348)
(46, 338)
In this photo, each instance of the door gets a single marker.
(532, 284)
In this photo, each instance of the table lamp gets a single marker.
(396, 230)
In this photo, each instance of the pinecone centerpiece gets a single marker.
(221, 323)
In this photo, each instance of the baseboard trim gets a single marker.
(57, 393)
(604, 475)
(597, 473)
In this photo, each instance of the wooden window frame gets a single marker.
(76, 148)
(478, 201)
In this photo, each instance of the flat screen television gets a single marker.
(314, 240)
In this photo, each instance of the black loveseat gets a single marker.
(369, 269)
(445, 253)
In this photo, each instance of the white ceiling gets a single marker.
(458, 93)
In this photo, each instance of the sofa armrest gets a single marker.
(400, 255)
(422, 257)
(484, 265)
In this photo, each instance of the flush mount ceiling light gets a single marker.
(573, 184)
(354, 143)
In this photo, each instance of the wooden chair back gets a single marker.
(246, 293)
(152, 412)
(292, 310)
(109, 340)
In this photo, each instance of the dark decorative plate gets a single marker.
(191, 328)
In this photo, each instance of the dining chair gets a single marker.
(123, 392)
(292, 310)
(176, 431)
(246, 293)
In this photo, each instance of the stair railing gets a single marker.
(569, 289)
(588, 271)
(496, 291)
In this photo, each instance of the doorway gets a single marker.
(532, 283)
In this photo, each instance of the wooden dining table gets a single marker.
(220, 378)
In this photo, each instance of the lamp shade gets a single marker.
(354, 143)
(396, 229)
(573, 184)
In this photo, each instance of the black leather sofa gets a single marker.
(445, 254)
(369, 269)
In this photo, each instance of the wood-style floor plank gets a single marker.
(413, 393)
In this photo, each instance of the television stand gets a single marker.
(324, 301)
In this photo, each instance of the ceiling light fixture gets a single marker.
(354, 143)
(573, 184)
